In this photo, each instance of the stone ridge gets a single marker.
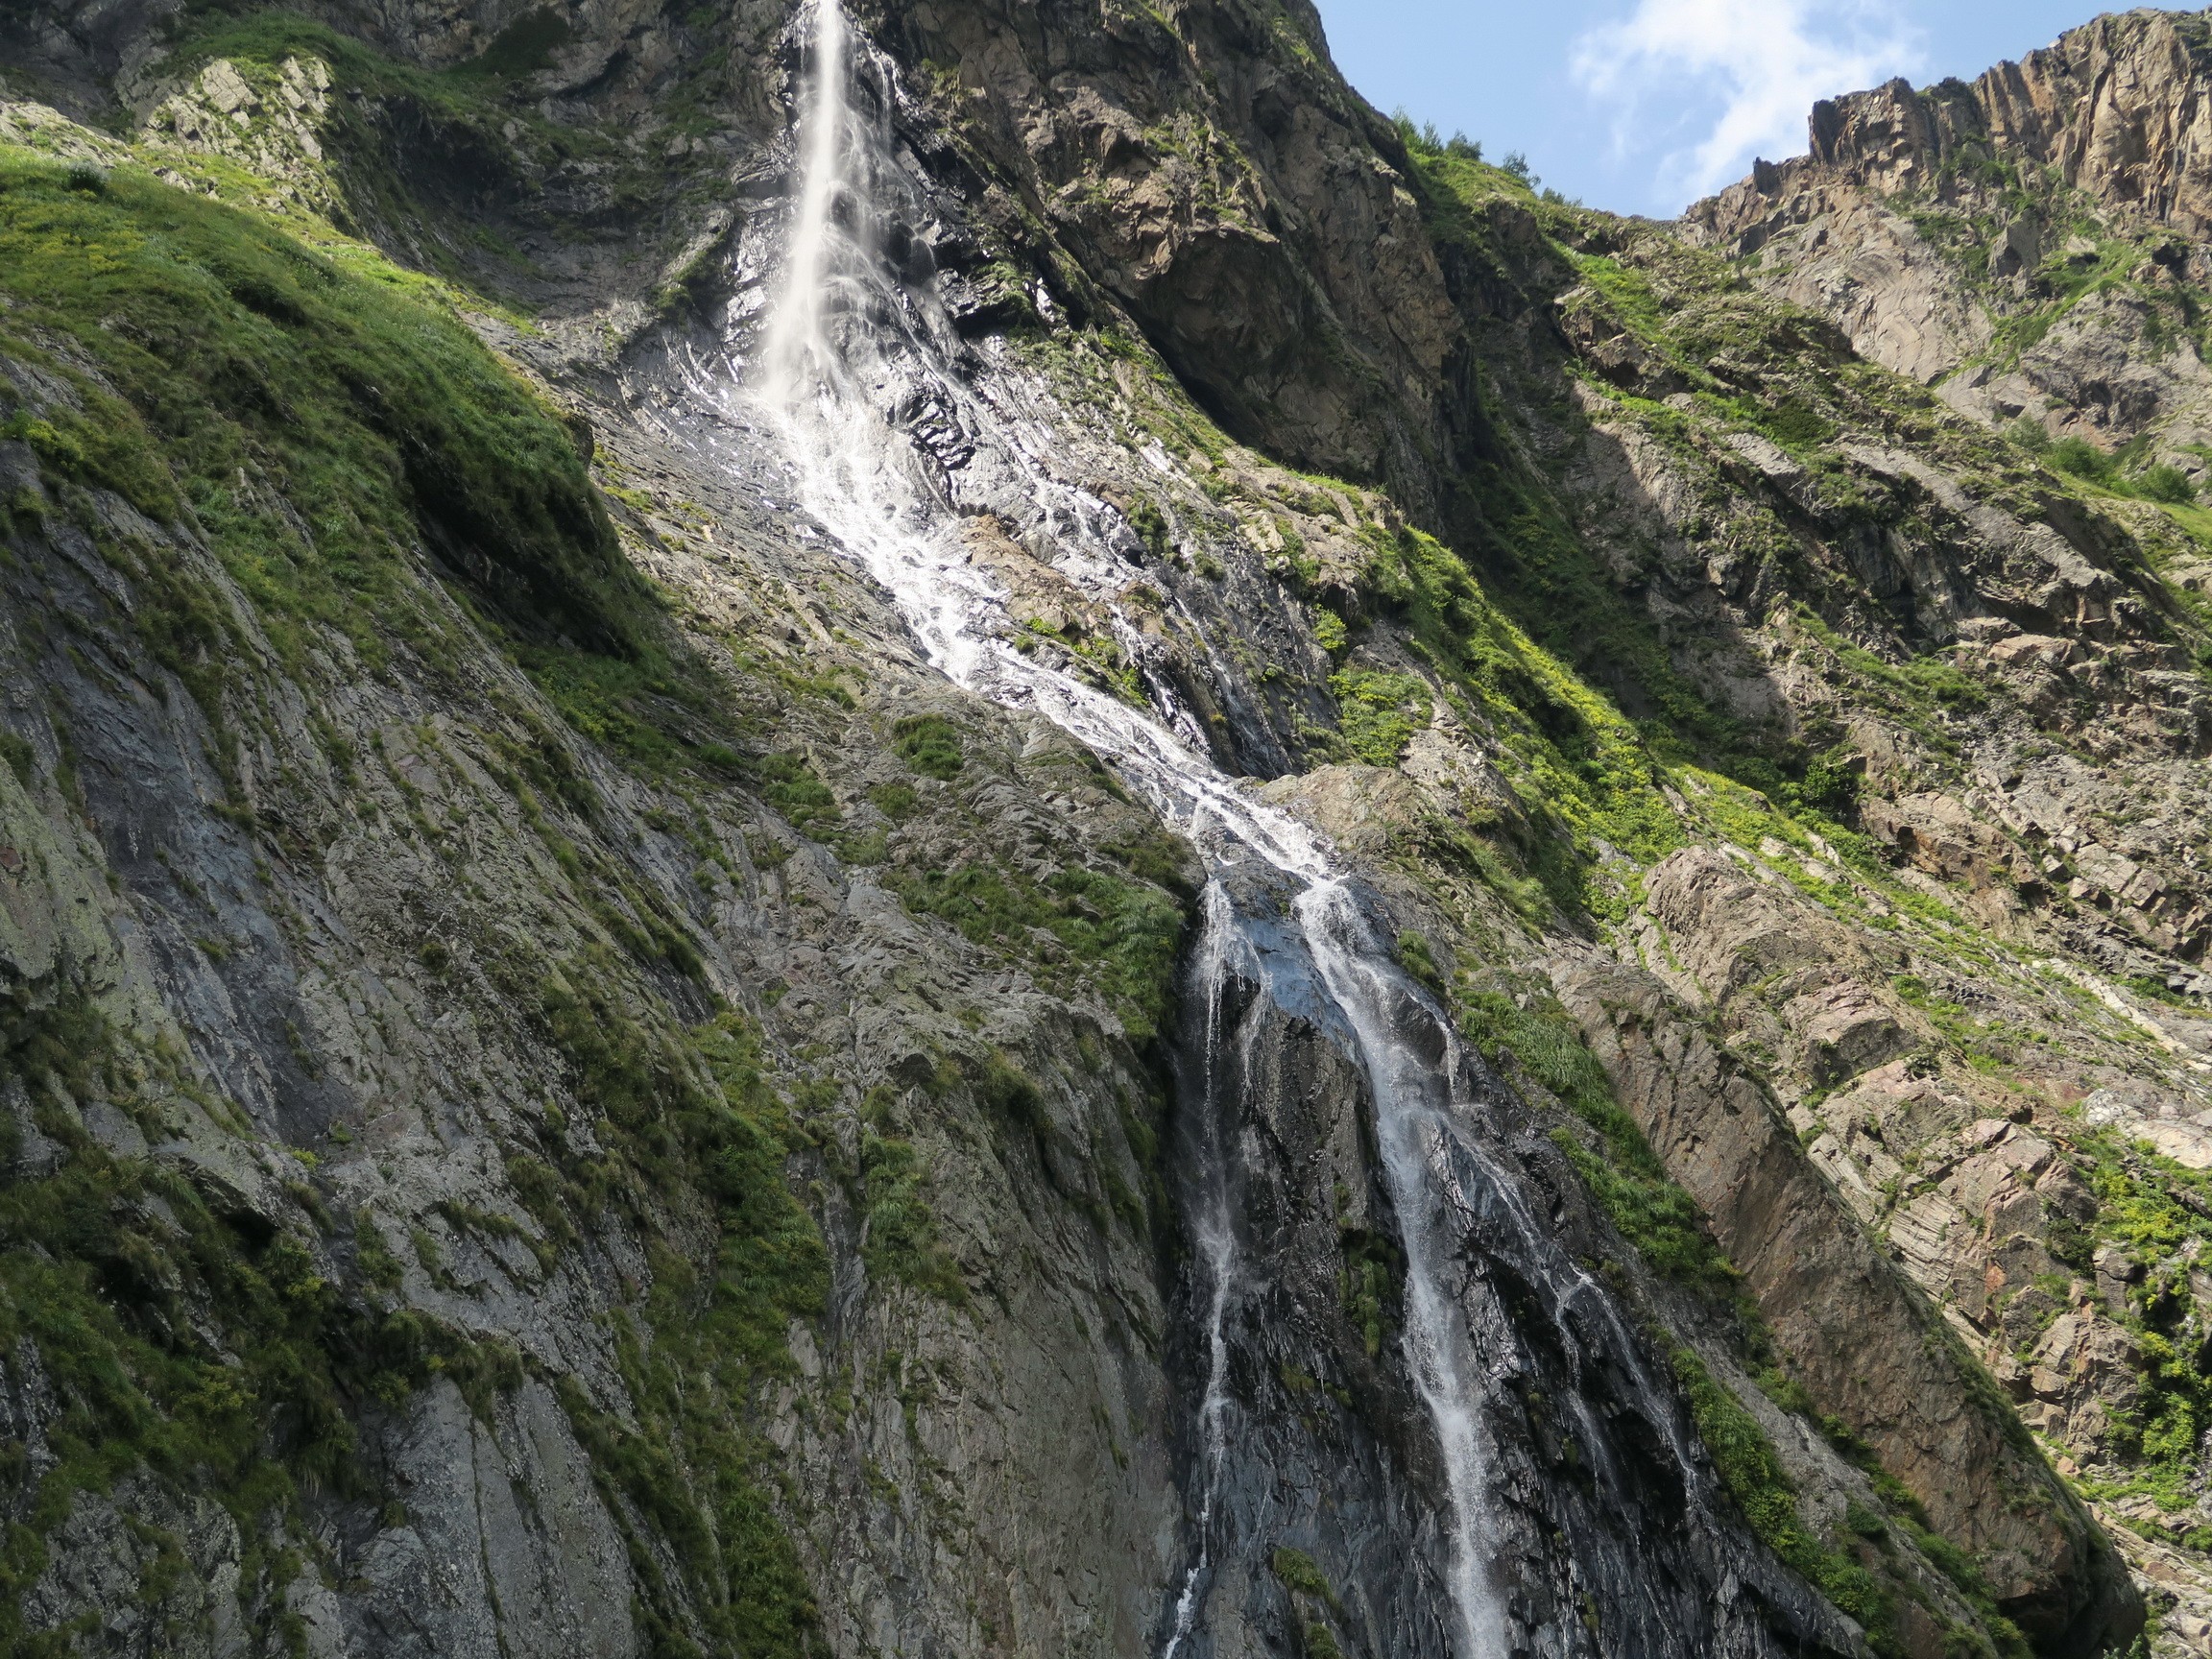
(2012, 242)
(2120, 106)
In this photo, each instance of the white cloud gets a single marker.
(1711, 84)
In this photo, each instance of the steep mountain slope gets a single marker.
(2033, 244)
(582, 1077)
(2031, 247)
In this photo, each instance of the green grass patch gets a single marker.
(931, 745)
(524, 47)
(1116, 934)
(1629, 293)
(1573, 751)
(1378, 714)
(1752, 1472)
(318, 422)
(902, 1244)
(1296, 1571)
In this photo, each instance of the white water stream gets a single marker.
(854, 371)
(1219, 958)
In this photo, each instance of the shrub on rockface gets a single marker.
(1378, 714)
(2169, 485)
(2079, 458)
(931, 745)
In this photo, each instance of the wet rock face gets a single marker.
(1600, 1520)
(1322, 1458)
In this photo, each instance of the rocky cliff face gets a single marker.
(2015, 242)
(578, 1080)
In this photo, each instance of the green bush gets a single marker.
(16, 751)
(1331, 634)
(2081, 458)
(2168, 484)
(1418, 960)
(2154, 1208)
(1151, 527)
(1378, 714)
(1426, 141)
(1370, 1283)
(790, 785)
(524, 47)
(1299, 1571)
(1798, 425)
(1832, 785)
(901, 1238)
(897, 802)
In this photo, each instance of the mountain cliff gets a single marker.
(966, 829)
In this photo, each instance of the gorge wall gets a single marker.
(590, 1065)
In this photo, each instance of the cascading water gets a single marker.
(1216, 960)
(840, 342)
(854, 371)
(889, 443)
(1409, 1129)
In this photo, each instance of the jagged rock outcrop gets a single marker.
(1834, 1299)
(2117, 107)
(1220, 182)
(1942, 229)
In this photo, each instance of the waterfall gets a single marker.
(889, 443)
(1410, 1128)
(1218, 959)
(853, 361)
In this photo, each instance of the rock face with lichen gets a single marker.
(566, 1091)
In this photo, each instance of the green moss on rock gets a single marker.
(382, 421)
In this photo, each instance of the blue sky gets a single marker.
(1643, 106)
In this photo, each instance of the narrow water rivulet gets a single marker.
(891, 439)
